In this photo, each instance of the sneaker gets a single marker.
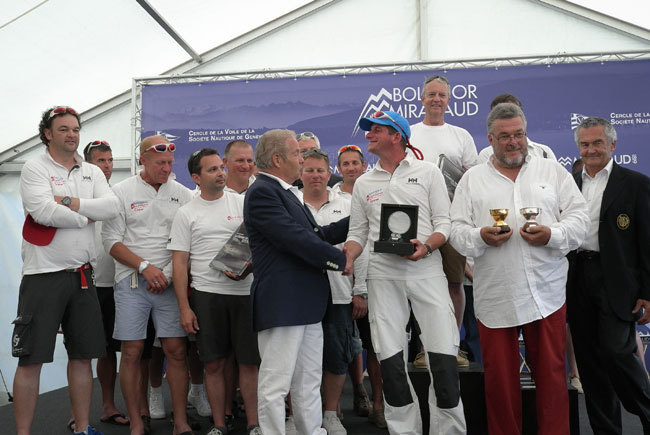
(254, 430)
(156, 404)
(217, 431)
(574, 381)
(333, 426)
(377, 418)
(89, 431)
(290, 426)
(461, 359)
(420, 361)
(200, 403)
(361, 404)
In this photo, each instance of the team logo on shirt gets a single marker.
(374, 196)
(58, 181)
(623, 221)
(234, 217)
(86, 178)
(139, 205)
(412, 180)
(337, 212)
(172, 199)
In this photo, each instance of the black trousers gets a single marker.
(605, 348)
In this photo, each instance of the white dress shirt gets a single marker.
(592, 190)
(517, 283)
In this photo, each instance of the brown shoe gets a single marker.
(361, 404)
(377, 418)
(420, 361)
(461, 359)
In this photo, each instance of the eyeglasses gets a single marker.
(345, 148)
(61, 110)
(162, 147)
(314, 151)
(305, 135)
(503, 139)
(416, 152)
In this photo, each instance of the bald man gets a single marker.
(137, 240)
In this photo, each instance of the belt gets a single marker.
(80, 270)
(588, 255)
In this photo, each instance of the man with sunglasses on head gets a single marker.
(99, 153)
(309, 141)
(137, 240)
(520, 270)
(62, 197)
(434, 137)
(395, 281)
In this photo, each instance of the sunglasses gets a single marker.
(416, 152)
(94, 144)
(61, 110)
(305, 135)
(345, 148)
(314, 151)
(162, 147)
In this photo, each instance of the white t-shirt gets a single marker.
(343, 287)
(201, 228)
(454, 142)
(144, 221)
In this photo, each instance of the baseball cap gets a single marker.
(37, 234)
(395, 120)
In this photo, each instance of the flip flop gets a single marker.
(112, 419)
(71, 425)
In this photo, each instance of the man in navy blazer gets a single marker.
(608, 287)
(290, 291)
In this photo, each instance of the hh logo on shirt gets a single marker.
(174, 200)
(412, 180)
(336, 212)
(86, 178)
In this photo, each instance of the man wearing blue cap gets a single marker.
(418, 279)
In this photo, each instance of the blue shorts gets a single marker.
(133, 306)
(341, 341)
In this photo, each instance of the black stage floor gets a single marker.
(53, 412)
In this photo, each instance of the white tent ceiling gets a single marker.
(82, 53)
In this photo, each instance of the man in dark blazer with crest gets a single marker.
(608, 287)
(290, 291)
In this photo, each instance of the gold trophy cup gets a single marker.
(530, 213)
(500, 215)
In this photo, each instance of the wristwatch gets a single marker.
(66, 200)
(143, 266)
(363, 296)
(429, 250)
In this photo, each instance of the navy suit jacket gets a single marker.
(623, 239)
(291, 254)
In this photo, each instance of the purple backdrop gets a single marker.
(554, 97)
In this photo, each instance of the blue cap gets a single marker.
(394, 119)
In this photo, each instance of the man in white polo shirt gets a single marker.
(137, 240)
(62, 196)
(349, 293)
(434, 137)
(218, 307)
(396, 281)
(239, 162)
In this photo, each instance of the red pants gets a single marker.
(545, 342)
